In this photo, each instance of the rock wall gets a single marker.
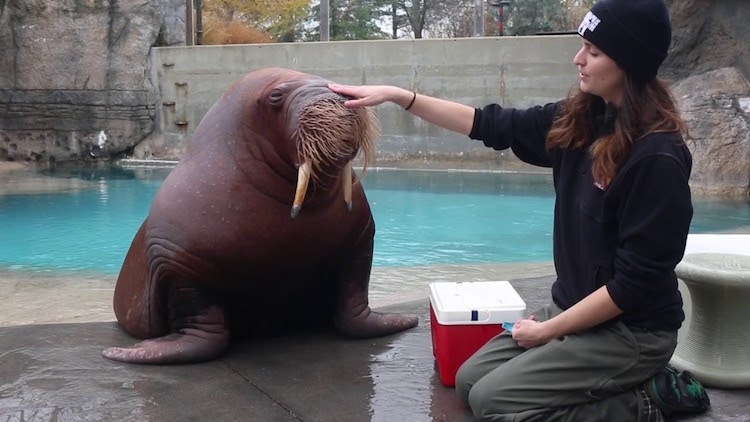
(76, 81)
(75, 75)
(716, 105)
(708, 35)
(709, 64)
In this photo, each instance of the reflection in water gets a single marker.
(103, 191)
(406, 385)
(89, 172)
(401, 382)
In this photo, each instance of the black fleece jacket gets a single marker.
(629, 236)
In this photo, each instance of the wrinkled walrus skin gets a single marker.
(224, 250)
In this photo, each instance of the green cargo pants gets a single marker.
(588, 376)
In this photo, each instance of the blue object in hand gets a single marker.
(508, 326)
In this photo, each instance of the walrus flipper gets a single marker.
(199, 333)
(355, 318)
(366, 323)
(197, 346)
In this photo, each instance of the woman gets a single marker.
(600, 350)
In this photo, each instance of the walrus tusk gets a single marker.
(303, 178)
(347, 182)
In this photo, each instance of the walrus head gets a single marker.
(328, 136)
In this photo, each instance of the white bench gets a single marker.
(714, 343)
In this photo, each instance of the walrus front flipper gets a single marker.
(366, 323)
(198, 333)
(354, 317)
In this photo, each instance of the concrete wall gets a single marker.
(512, 71)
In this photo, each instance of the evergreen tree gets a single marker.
(349, 20)
(528, 17)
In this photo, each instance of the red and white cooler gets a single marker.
(464, 316)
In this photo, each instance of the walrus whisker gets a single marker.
(323, 126)
(347, 185)
(328, 96)
(303, 178)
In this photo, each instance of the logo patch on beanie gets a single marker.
(590, 21)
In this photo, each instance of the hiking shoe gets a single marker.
(649, 412)
(676, 392)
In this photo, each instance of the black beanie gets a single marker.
(634, 33)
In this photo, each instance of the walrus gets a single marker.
(262, 227)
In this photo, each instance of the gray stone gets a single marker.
(719, 125)
(708, 35)
(77, 84)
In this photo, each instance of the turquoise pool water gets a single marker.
(422, 218)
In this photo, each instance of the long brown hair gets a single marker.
(646, 108)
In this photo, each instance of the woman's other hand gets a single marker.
(531, 333)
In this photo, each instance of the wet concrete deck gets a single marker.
(55, 372)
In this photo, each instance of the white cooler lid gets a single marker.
(475, 302)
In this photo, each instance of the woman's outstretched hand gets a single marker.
(371, 95)
(446, 114)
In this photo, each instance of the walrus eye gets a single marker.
(276, 98)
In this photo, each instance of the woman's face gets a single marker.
(600, 75)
